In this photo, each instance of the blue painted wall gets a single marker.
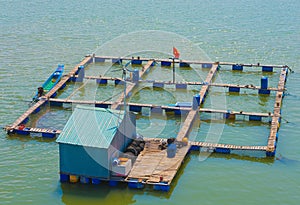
(84, 161)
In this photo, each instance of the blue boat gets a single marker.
(50, 82)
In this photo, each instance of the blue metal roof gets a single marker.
(91, 127)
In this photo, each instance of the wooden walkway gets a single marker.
(225, 85)
(163, 107)
(152, 166)
(272, 140)
(130, 87)
(215, 145)
(45, 98)
(191, 114)
(25, 115)
(184, 131)
(190, 61)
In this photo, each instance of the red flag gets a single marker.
(175, 52)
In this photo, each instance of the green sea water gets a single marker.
(35, 36)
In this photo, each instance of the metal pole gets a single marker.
(173, 70)
(124, 74)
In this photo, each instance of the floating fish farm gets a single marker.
(100, 143)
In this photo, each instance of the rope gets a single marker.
(73, 93)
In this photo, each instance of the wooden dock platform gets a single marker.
(104, 58)
(25, 115)
(213, 146)
(153, 166)
(191, 114)
(184, 131)
(276, 119)
(36, 107)
(162, 107)
(225, 85)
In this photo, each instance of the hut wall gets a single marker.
(126, 132)
(84, 161)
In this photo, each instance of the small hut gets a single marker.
(91, 139)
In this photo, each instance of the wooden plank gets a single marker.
(164, 107)
(103, 78)
(229, 146)
(195, 62)
(64, 79)
(215, 145)
(225, 85)
(25, 115)
(44, 130)
(188, 122)
(152, 164)
(275, 119)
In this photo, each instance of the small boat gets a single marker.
(50, 82)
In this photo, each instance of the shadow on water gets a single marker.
(286, 161)
(120, 194)
(243, 155)
(28, 138)
(105, 194)
(96, 194)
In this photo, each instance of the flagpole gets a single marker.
(175, 55)
(173, 70)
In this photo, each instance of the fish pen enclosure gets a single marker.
(181, 97)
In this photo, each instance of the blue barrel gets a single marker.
(84, 180)
(135, 76)
(80, 72)
(206, 65)
(136, 62)
(196, 101)
(165, 63)
(161, 187)
(237, 67)
(264, 82)
(36, 110)
(54, 95)
(48, 135)
(113, 183)
(25, 120)
(183, 64)
(181, 86)
(158, 85)
(267, 69)
(197, 96)
(135, 185)
(135, 108)
(271, 154)
(222, 150)
(116, 61)
(234, 89)
(171, 150)
(254, 118)
(99, 60)
(96, 181)
(64, 178)
(63, 86)
(101, 105)
(101, 81)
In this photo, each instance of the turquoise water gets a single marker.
(35, 36)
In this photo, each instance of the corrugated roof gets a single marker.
(92, 127)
